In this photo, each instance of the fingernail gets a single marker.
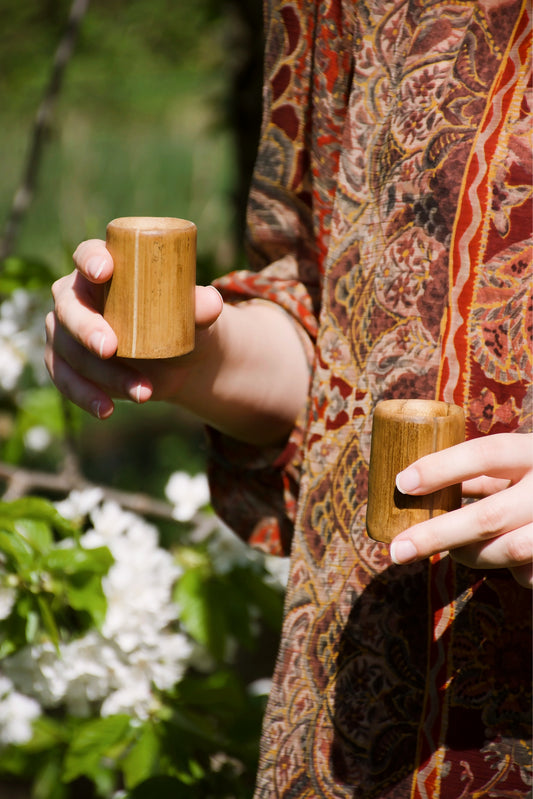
(95, 266)
(219, 295)
(139, 393)
(402, 552)
(102, 409)
(407, 481)
(96, 343)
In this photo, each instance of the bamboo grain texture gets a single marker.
(150, 299)
(402, 432)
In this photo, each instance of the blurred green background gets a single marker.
(158, 114)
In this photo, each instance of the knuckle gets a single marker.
(48, 362)
(486, 452)
(491, 516)
(56, 289)
(49, 325)
(59, 381)
(60, 312)
(437, 542)
(520, 548)
(523, 575)
(58, 286)
(79, 253)
(82, 336)
(74, 354)
(466, 555)
(60, 322)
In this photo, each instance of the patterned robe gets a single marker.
(390, 215)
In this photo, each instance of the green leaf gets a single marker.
(220, 693)
(48, 733)
(36, 532)
(30, 274)
(47, 618)
(15, 761)
(140, 760)
(237, 609)
(84, 592)
(47, 783)
(21, 626)
(32, 626)
(163, 788)
(90, 743)
(268, 599)
(42, 406)
(74, 560)
(7, 647)
(14, 546)
(36, 508)
(202, 611)
(35, 407)
(196, 729)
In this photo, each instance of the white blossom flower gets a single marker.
(135, 699)
(37, 438)
(92, 668)
(164, 662)
(80, 503)
(260, 687)
(277, 570)
(110, 521)
(37, 671)
(11, 365)
(17, 307)
(21, 339)
(227, 551)
(139, 650)
(17, 714)
(187, 494)
(8, 596)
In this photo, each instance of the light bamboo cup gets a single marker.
(402, 432)
(150, 298)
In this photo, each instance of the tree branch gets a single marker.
(21, 482)
(26, 190)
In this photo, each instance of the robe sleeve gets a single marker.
(253, 489)
(287, 231)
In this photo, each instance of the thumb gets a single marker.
(209, 304)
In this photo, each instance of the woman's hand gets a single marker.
(81, 345)
(248, 375)
(494, 532)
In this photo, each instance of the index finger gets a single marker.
(474, 523)
(94, 260)
(503, 456)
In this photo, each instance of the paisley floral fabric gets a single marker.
(390, 215)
